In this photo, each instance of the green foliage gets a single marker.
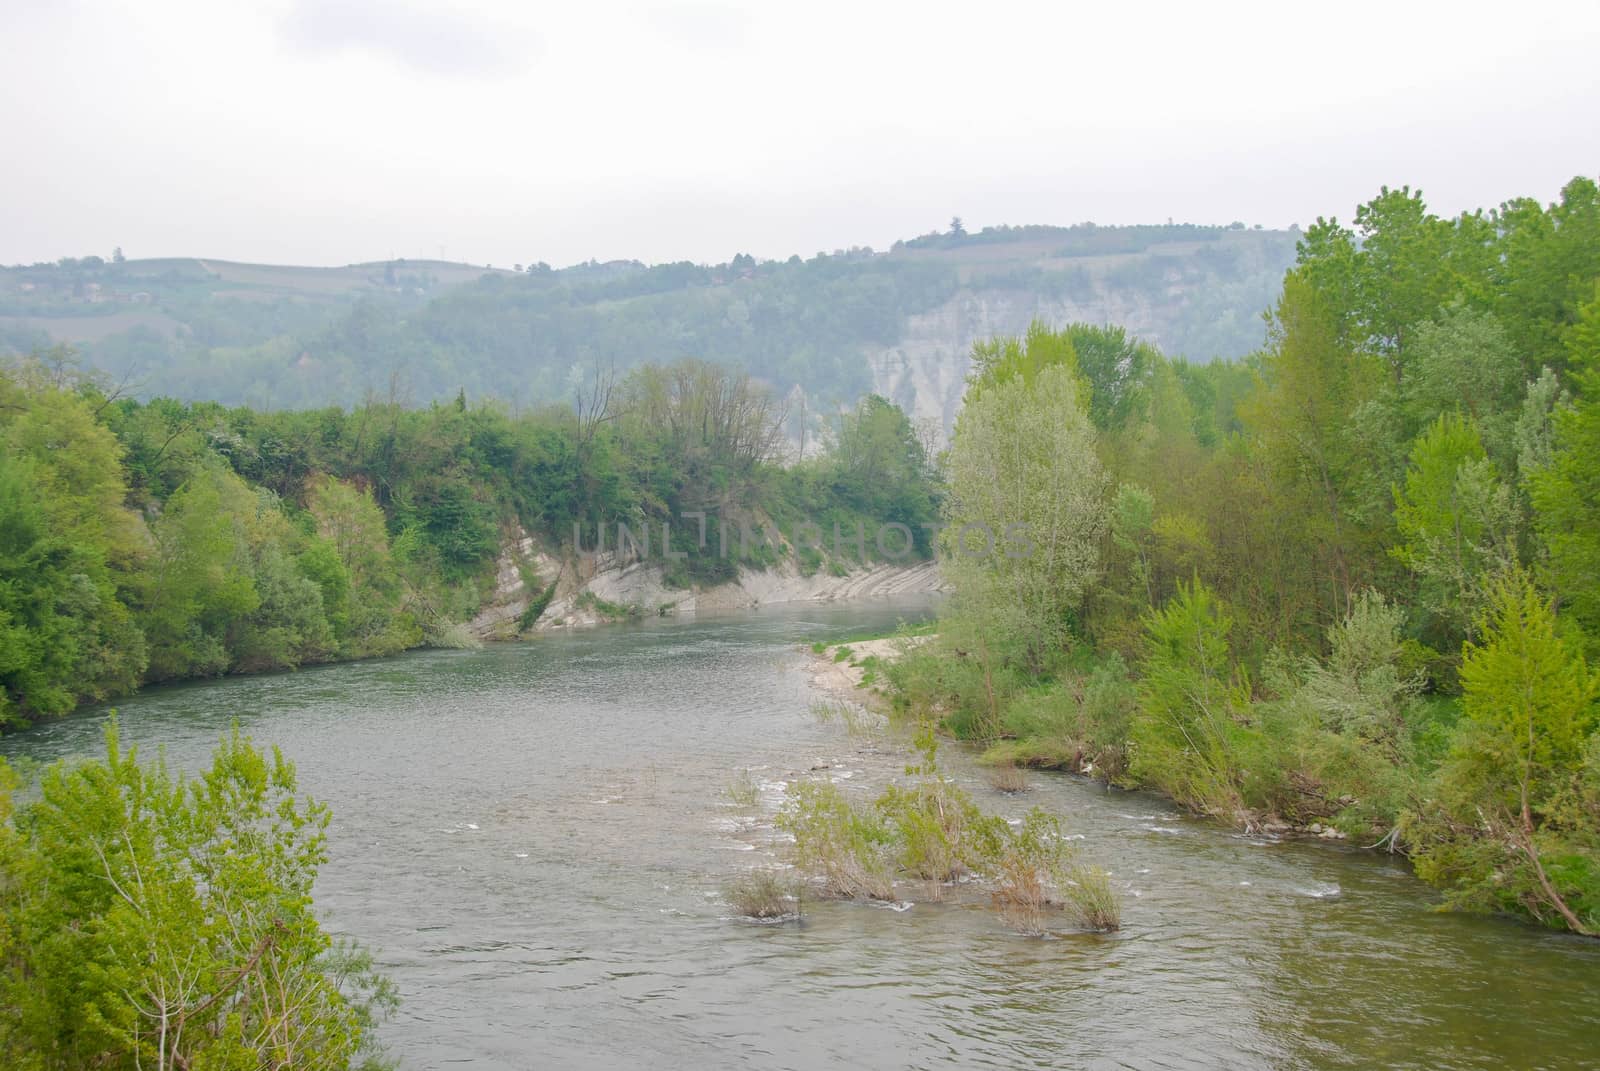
(846, 846)
(159, 922)
(937, 830)
(1464, 362)
(607, 610)
(68, 555)
(743, 791)
(765, 895)
(1346, 742)
(930, 830)
(1423, 423)
(1512, 824)
(1566, 491)
(1005, 360)
(1029, 864)
(536, 607)
(1456, 521)
(1182, 738)
(1025, 511)
(160, 541)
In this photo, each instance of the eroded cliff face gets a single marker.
(592, 589)
(925, 371)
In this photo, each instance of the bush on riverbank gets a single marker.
(765, 895)
(153, 922)
(1322, 587)
(931, 831)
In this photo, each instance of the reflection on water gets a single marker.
(534, 836)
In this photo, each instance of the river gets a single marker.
(534, 837)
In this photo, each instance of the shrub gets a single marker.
(845, 846)
(764, 894)
(743, 791)
(1026, 865)
(1510, 824)
(1181, 740)
(1092, 900)
(452, 635)
(1110, 703)
(1035, 870)
(165, 921)
(1008, 777)
(937, 828)
(536, 607)
(606, 609)
(859, 722)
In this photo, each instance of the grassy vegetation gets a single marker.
(607, 610)
(767, 895)
(928, 830)
(1092, 900)
(844, 846)
(858, 722)
(744, 791)
(1007, 777)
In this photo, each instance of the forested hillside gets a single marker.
(836, 325)
(1351, 585)
(156, 541)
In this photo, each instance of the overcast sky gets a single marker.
(335, 131)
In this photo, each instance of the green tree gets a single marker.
(1457, 522)
(1464, 362)
(1311, 384)
(1000, 360)
(1117, 368)
(880, 468)
(1549, 259)
(1181, 737)
(160, 922)
(353, 564)
(1026, 507)
(1566, 492)
(201, 583)
(68, 553)
(1508, 827)
(1405, 273)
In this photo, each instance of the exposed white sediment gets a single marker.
(639, 586)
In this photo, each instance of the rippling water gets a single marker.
(534, 836)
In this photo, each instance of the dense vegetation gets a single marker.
(1351, 582)
(303, 337)
(148, 542)
(148, 921)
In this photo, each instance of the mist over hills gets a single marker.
(835, 326)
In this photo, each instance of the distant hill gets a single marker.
(899, 322)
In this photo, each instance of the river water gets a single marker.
(534, 838)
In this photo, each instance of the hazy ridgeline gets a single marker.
(416, 332)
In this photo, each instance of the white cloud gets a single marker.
(448, 42)
(505, 131)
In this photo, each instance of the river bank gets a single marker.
(852, 673)
(534, 837)
(536, 590)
